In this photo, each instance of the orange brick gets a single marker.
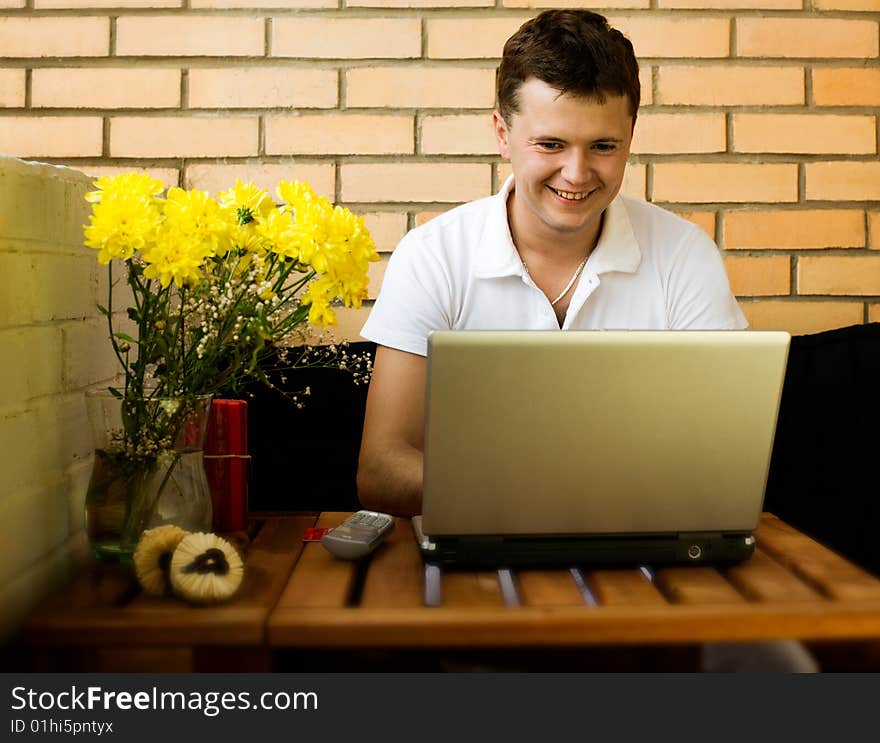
(465, 134)
(216, 177)
(703, 220)
(47, 36)
(349, 322)
(386, 229)
(730, 85)
(801, 229)
(190, 36)
(375, 273)
(178, 136)
(759, 277)
(12, 88)
(339, 134)
(838, 275)
(647, 85)
(346, 38)
(262, 87)
(461, 87)
(600, 5)
(724, 182)
(168, 176)
(805, 37)
(414, 182)
(90, 4)
(676, 37)
(807, 133)
(419, 3)
(847, 5)
(874, 313)
(732, 4)
(503, 171)
(425, 217)
(846, 86)
(801, 317)
(284, 4)
(476, 38)
(51, 136)
(679, 132)
(105, 87)
(843, 181)
(635, 181)
(874, 230)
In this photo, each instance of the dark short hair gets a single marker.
(574, 51)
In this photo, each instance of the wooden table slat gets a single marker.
(471, 589)
(696, 585)
(548, 588)
(320, 579)
(624, 587)
(573, 626)
(395, 578)
(831, 574)
(761, 578)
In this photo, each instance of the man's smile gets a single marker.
(569, 195)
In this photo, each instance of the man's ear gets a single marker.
(502, 134)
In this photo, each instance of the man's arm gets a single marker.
(389, 474)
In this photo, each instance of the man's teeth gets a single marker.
(572, 196)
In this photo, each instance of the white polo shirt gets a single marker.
(650, 270)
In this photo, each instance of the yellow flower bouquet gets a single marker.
(217, 286)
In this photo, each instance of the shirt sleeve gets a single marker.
(414, 298)
(698, 291)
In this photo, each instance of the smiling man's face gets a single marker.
(568, 156)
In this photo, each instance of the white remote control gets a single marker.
(358, 535)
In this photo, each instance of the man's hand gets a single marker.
(391, 459)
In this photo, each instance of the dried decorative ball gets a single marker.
(205, 568)
(152, 558)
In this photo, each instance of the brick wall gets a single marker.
(53, 345)
(759, 119)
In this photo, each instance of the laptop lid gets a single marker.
(599, 433)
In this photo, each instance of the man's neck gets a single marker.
(536, 242)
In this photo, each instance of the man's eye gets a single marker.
(550, 146)
(605, 147)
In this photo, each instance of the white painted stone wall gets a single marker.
(53, 346)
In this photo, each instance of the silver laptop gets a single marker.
(597, 447)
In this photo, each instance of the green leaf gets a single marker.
(115, 392)
(103, 310)
(124, 337)
(133, 314)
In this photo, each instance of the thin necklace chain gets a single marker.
(577, 272)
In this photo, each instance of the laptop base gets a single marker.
(543, 551)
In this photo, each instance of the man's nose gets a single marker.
(577, 169)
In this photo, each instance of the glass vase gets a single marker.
(148, 469)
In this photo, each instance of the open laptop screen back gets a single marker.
(599, 432)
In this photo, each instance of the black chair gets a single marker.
(824, 478)
(305, 459)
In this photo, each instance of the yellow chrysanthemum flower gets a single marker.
(295, 194)
(127, 185)
(276, 230)
(119, 226)
(318, 297)
(195, 217)
(245, 202)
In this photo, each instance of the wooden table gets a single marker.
(103, 622)
(791, 588)
(297, 600)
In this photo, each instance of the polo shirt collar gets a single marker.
(617, 249)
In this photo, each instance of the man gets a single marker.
(556, 248)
